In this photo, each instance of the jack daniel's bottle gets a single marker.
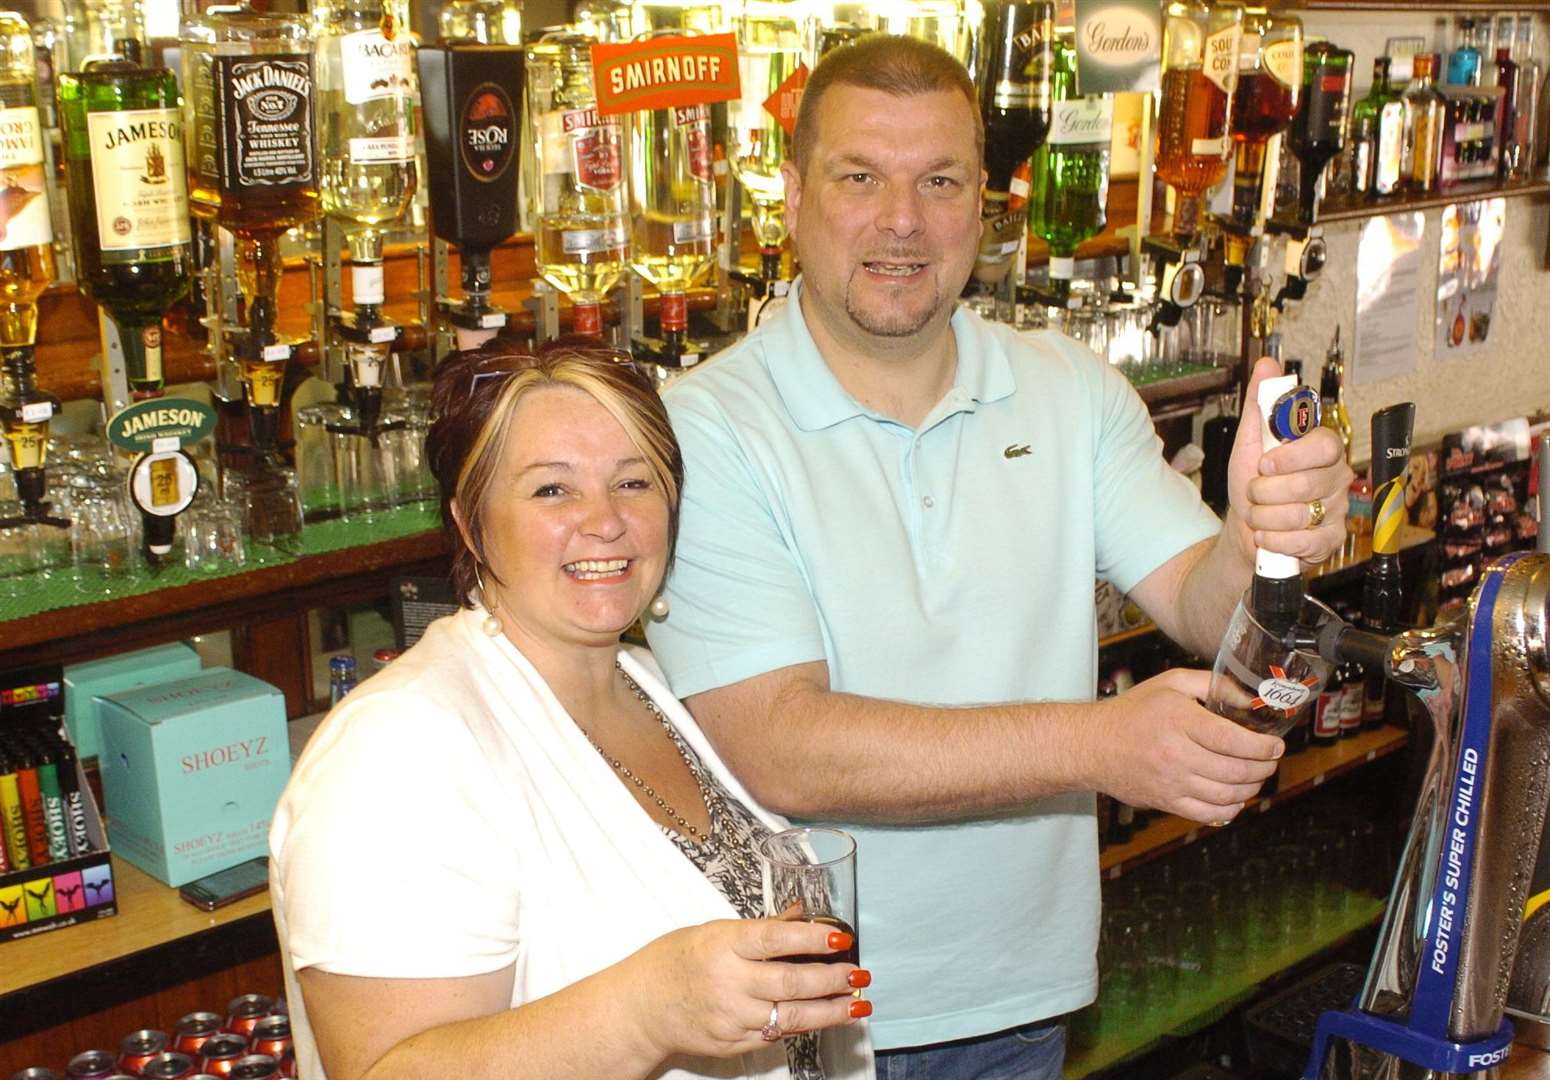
(1014, 82)
(128, 204)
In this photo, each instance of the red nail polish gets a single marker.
(859, 1009)
(839, 940)
(859, 978)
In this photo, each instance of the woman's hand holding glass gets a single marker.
(709, 989)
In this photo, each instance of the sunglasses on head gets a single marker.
(492, 371)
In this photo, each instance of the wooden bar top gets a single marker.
(1526, 1063)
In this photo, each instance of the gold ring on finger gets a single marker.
(1315, 513)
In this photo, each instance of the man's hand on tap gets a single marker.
(1291, 500)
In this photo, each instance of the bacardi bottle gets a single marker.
(1014, 82)
(26, 233)
(1318, 131)
(1269, 87)
(580, 202)
(672, 207)
(1200, 73)
(770, 37)
(1070, 188)
(128, 204)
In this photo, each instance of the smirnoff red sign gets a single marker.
(662, 72)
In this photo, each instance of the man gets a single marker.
(882, 607)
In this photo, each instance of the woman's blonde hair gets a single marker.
(475, 396)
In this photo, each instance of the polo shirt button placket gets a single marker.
(928, 502)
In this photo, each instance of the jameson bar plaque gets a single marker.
(1118, 45)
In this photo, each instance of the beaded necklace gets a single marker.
(624, 770)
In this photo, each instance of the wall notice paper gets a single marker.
(1469, 265)
(1388, 297)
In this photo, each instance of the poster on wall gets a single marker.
(1388, 297)
(1469, 266)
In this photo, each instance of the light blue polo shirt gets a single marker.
(950, 564)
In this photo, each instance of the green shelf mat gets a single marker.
(51, 592)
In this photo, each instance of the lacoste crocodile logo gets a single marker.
(1017, 450)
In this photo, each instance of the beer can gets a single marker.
(244, 1013)
(35, 1072)
(193, 1030)
(170, 1065)
(138, 1047)
(221, 1052)
(272, 1036)
(288, 1065)
(91, 1065)
(256, 1067)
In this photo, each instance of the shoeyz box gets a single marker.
(191, 772)
(143, 667)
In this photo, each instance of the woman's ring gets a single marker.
(1315, 513)
(770, 1032)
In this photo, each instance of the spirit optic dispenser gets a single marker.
(472, 94)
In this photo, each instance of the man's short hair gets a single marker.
(897, 65)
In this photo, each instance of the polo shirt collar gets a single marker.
(816, 400)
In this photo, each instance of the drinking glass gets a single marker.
(316, 474)
(103, 541)
(813, 869)
(1259, 681)
(20, 556)
(212, 538)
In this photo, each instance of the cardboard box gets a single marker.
(191, 772)
(144, 667)
(64, 891)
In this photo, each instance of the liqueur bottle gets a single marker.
(1070, 188)
(1014, 83)
(579, 203)
(128, 205)
(1318, 130)
(1529, 105)
(1378, 129)
(471, 101)
(770, 36)
(1269, 88)
(1199, 74)
(26, 232)
(364, 109)
(1509, 76)
(1465, 61)
(252, 166)
(672, 210)
(1426, 110)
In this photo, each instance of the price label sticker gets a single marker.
(379, 334)
(37, 412)
(277, 351)
(165, 443)
(492, 320)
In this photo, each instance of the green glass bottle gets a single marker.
(1070, 189)
(123, 135)
(1378, 130)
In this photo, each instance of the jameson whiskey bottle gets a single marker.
(580, 203)
(1015, 93)
(770, 36)
(1200, 73)
(250, 151)
(128, 204)
(26, 231)
(1378, 132)
(1070, 189)
(672, 208)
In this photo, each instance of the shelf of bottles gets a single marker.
(259, 215)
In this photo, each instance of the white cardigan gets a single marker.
(526, 847)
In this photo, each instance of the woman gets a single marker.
(512, 853)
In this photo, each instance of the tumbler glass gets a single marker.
(316, 475)
(102, 537)
(814, 871)
(20, 556)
